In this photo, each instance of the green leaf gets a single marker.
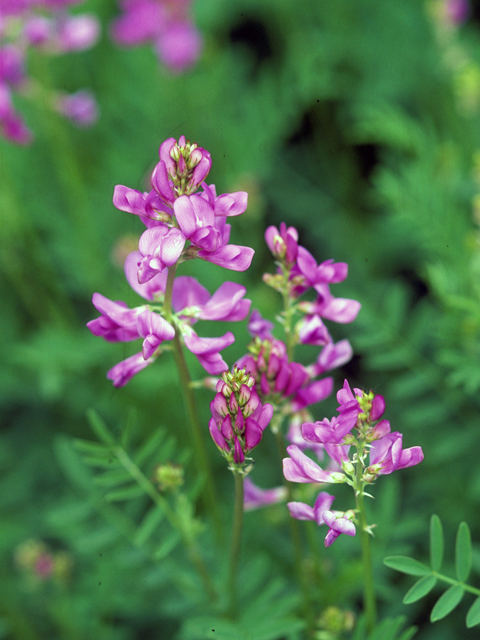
(407, 565)
(128, 493)
(168, 544)
(436, 543)
(92, 448)
(149, 446)
(148, 525)
(420, 589)
(113, 478)
(463, 552)
(447, 602)
(99, 427)
(473, 615)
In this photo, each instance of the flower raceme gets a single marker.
(181, 225)
(238, 417)
(358, 427)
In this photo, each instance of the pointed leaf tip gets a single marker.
(473, 615)
(420, 589)
(447, 602)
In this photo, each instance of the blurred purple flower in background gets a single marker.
(164, 23)
(46, 26)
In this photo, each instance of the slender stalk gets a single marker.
(297, 547)
(201, 455)
(236, 543)
(369, 601)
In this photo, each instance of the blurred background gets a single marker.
(357, 123)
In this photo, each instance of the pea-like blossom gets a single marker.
(190, 301)
(320, 513)
(254, 497)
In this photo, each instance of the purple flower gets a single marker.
(166, 25)
(259, 327)
(124, 371)
(337, 521)
(159, 247)
(284, 243)
(80, 107)
(300, 468)
(387, 455)
(118, 323)
(254, 497)
(341, 310)
(332, 356)
(228, 204)
(179, 47)
(207, 350)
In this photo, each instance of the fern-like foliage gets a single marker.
(430, 575)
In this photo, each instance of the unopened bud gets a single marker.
(244, 395)
(168, 476)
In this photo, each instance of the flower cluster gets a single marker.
(181, 225)
(238, 417)
(378, 451)
(166, 24)
(289, 385)
(47, 27)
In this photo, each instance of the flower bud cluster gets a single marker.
(238, 417)
(47, 27)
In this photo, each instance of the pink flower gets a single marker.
(254, 497)
(387, 455)
(300, 468)
(124, 371)
(207, 351)
(80, 107)
(337, 521)
(284, 243)
(179, 47)
(159, 247)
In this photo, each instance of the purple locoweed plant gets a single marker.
(269, 386)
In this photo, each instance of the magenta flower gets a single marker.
(336, 521)
(259, 327)
(254, 497)
(228, 204)
(300, 468)
(284, 243)
(80, 107)
(207, 350)
(159, 247)
(124, 371)
(387, 455)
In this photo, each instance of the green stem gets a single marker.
(369, 601)
(297, 546)
(201, 454)
(236, 543)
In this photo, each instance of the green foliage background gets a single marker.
(347, 120)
